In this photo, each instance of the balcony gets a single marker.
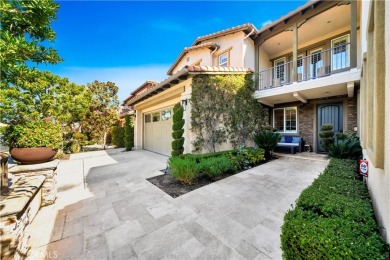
(317, 65)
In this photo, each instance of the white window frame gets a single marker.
(284, 119)
(284, 69)
(225, 63)
(311, 64)
(301, 56)
(338, 39)
(170, 115)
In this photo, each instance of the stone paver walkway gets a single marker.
(120, 215)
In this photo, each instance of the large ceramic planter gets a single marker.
(33, 155)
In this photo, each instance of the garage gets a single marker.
(158, 131)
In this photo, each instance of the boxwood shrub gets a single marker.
(333, 219)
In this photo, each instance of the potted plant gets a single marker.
(33, 142)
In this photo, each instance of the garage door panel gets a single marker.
(158, 134)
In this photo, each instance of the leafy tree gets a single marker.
(129, 133)
(245, 114)
(25, 33)
(178, 131)
(103, 110)
(41, 94)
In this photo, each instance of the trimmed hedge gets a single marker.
(118, 136)
(333, 219)
(186, 168)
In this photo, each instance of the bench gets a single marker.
(292, 142)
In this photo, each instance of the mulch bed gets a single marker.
(175, 189)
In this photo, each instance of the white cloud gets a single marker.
(126, 78)
(266, 23)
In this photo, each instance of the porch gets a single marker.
(316, 65)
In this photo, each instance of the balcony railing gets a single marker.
(317, 64)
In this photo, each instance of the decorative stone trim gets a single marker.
(17, 210)
(48, 170)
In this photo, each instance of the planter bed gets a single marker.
(175, 188)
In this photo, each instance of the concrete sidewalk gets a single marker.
(120, 215)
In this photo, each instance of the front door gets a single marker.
(329, 114)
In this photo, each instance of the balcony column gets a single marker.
(295, 52)
(257, 67)
(353, 45)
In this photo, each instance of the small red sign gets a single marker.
(363, 167)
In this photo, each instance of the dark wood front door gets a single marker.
(329, 114)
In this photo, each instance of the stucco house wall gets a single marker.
(375, 106)
(241, 52)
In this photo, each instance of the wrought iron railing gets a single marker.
(317, 64)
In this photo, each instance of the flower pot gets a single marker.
(33, 155)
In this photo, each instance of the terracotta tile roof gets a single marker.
(210, 45)
(244, 27)
(182, 75)
(217, 69)
(146, 85)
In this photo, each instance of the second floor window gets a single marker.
(223, 59)
(340, 53)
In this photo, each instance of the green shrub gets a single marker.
(345, 149)
(118, 136)
(267, 140)
(178, 131)
(74, 147)
(79, 137)
(214, 166)
(33, 134)
(327, 136)
(347, 135)
(183, 170)
(198, 157)
(129, 133)
(333, 219)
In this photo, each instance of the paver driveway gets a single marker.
(120, 215)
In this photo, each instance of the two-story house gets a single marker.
(230, 51)
(308, 65)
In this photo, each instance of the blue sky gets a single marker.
(128, 42)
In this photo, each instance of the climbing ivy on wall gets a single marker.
(223, 109)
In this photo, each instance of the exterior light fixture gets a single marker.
(184, 103)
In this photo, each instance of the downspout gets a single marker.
(211, 63)
(249, 34)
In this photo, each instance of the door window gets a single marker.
(340, 53)
(156, 117)
(166, 114)
(316, 63)
(280, 69)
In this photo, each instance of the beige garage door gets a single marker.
(158, 131)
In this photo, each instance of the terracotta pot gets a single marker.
(33, 155)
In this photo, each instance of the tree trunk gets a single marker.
(104, 140)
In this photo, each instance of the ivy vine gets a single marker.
(223, 109)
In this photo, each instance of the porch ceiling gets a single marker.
(326, 23)
(335, 85)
